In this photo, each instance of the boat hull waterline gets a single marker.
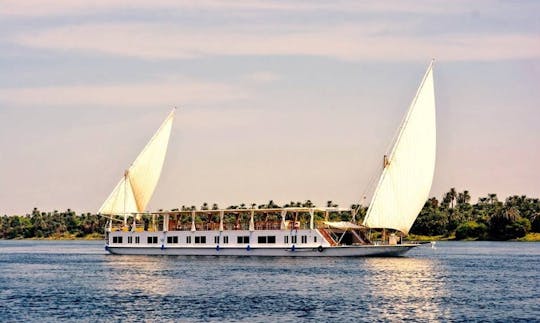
(338, 251)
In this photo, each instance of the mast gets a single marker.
(407, 174)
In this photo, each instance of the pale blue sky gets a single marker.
(279, 100)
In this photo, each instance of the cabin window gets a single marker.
(130, 239)
(117, 239)
(314, 239)
(173, 239)
(304, 239)
(242, 239)
(137, 239)
(200, 239)
(286, 239)
(188, 239)
(151, 240)
(266, 239)
(226, 239)
(216, 239)
(293, 239)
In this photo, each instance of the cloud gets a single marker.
(34, 8)
(139, 94)
(154, 41)
(262, 77)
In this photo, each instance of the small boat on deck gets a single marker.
(401, 192)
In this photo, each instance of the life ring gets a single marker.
(320, 248)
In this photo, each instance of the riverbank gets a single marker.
(66, 236)
(529, 237)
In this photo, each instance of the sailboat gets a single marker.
(400, 194)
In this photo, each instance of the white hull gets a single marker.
(340, 251)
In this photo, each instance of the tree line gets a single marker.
(453, 216)
(488, 219)
(51, 225)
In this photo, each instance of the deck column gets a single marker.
(193, 221)
(311, 216)
(252, 221)
(221, 215)
(165, 222)
(283, 214)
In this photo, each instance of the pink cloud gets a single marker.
(348, 42)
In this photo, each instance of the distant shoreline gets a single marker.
(529, 237)
(67, 237)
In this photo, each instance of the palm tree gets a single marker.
(272, 205)
(453, 196)
(466, 196)
(308, 204)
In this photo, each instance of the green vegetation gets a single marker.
(518, 217)
(489, 219)
(52, 225)
(530, 237)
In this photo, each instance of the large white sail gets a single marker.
(408, 173)
(133, 192)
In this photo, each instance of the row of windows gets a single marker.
(202, 239)
(150, 240)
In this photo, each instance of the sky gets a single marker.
(281, 100)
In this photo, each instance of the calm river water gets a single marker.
(456, 281)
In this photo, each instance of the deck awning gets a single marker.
(343, 225)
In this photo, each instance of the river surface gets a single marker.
(455, 281)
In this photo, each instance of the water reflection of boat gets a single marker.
(401, 192)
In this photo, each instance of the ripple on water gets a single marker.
(51, 281)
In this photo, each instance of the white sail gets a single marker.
(133, 192)
(408, 173)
